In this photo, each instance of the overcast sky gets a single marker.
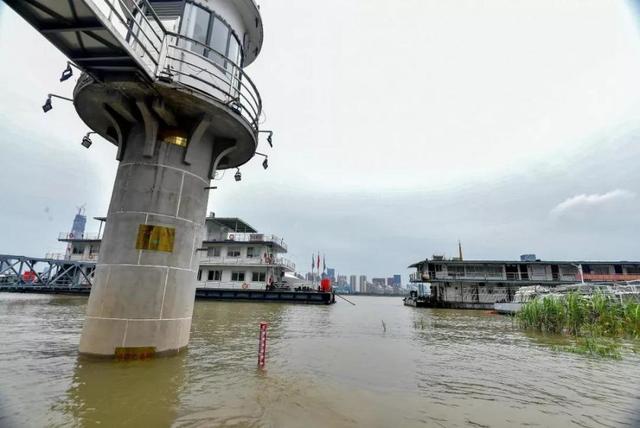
(400, 127)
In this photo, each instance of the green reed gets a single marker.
(578, 315)
(595, 322)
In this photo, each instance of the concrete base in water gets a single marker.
(144, 288)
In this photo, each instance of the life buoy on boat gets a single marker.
(231, 237)
(245, 286)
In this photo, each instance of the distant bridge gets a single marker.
(32, 272)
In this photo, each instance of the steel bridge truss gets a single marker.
(22, 271)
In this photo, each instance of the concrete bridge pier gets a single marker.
(142, 299)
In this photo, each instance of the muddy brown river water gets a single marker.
(327, 366)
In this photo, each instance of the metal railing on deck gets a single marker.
(201, 67)
(179, 59)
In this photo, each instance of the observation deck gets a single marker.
(144, 49)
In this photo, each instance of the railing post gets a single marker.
(163, 54)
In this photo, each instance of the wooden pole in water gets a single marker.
(262, 345)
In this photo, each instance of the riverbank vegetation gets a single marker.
(597, 322)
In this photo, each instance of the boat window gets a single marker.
(213, 252)
(199, 274)
(600, 270)
(214, 275)
(455, 271)
(233, 252)
(237, 276)
(494, 271)
(473, 270)
(258, 276)
(633, 270)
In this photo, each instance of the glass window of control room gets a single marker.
(196, 27)
(209, 29)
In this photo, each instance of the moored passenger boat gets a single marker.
(481, 284)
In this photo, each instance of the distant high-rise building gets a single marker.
(352, 283)
(390, 282)
(362, 286)
(397, 280)
(79, 222)
(77, 228)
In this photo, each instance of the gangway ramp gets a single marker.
(99, 35)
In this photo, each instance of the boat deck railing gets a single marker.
(512, 276)
(255, 237)
(250, 261)
(70, 236)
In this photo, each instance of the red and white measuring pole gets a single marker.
(262, 345)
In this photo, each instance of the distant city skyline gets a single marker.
(358, 283)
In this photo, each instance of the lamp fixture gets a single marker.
(47, 104)
(265, 162)
(238, 175)
(67, 73)
(86, 140)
